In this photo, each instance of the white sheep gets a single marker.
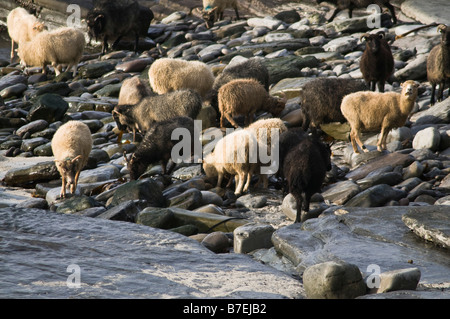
(233, 155)
(263, 129)
(22, 26)
(375, 111)
(60, 46)
(71, 146)
(167, 74)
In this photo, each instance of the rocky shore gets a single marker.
(381, 225)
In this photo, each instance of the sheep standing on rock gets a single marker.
(377, 62)
(167, 75)
(60, 46)
(22, 26)
(233, 155)
(321, 100)
(71, 146)
(438, 64)
(353, 4)
(246, 97)
(141, 116)
(213, 10)
(252, 68)
(374, 111)
(157, 145)
(304, 167)
(116, 19)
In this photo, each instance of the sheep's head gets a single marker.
(135, 167)
(276, 105)
(410, 89)
(95, 22)
(120, 116)
(209, 15)
(38, 27)
(373, 41)
(68, 168)
(209, 167)
(445, 40)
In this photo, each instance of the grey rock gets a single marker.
(15, 90)
(439, 113)
(162, 218)
(268, 22)
(100, 174)
(190, 199)
(76, 204)
(144, 189)
(342, 45)
(388, 178)
(209, 197)
(217, 242)
(251, 237)
(95, 70)
(251, 201)
(29, 145)
(44, 171)
(146, 262)
(376, 196)
(414, 170)
(339, 193)
(48, 107)
(427, 138)
(126, 211)
(11, 79)
(333, 280)
(415, 70)
(432, 226)
(402, 279)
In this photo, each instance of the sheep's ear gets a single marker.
(100, 16)
(364, 37)
(441, 28)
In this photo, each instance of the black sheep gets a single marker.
(252, 68)
(438, 64)
(157, 145)
(321, 100)
(116, 19)
(304, 167)
(377, 62)
(354, 4)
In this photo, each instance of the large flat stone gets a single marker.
(41, 251)
(427, 12)
(365, 237)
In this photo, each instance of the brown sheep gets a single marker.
(246, 97)
(373, 111)
(438, 64)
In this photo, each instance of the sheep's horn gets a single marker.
(126, 158)
(365, 35)
(441, 28)
(382, 33)
(76, 158)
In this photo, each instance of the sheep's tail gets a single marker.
(434, 24)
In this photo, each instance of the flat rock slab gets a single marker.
(433, 225)
(41, 251)
(427, 11)
(364, 237)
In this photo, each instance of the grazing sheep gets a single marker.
(353, 4)
(234, 155)
(438, 64)
(22, 26)
(373, 111)
(304, 167)
(116, 19)
(142, 115)
(71, 146)
(263, 130)
(213, 10)
(60, 46)
(252, 68)
(167, 75)
(157, 145)
(321, 100)
(246, 96)
(377, 62)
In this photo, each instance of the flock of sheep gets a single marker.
(178, 89)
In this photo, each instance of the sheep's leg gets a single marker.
(105, 45)
(334, 14)
(219, 179)
(353, 140)
(380, 86)
(392, 11)
(441, 91)
(12, 50)
(249, 119)
(230, 181)
(298, 217)
(117, 41)
(382, 141)
(236, 11)
(433, 91)
(247, 183)
(62, 194)
(230, 119)
(356, 136)
(136, 43)
(240, 184)
(373, 85)
(73, 187)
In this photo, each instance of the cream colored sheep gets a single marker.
(233, 155)
(60, 46)
(71, 146)
(133, 90)
(263, 130)
(22, 26)
(246, 97)
(167, 74)
(213, 10)
(375, 111)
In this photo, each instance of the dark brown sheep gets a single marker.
(438, 64)
(377, 62)
(354, 4)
